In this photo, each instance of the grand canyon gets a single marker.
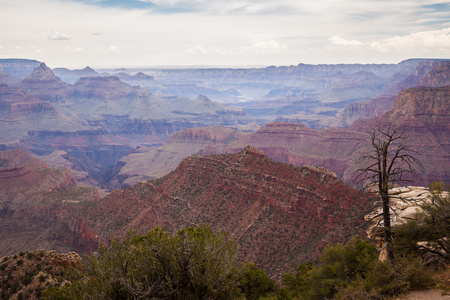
(268, 155)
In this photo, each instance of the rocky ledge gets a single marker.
(405, 203)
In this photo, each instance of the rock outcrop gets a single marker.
(405, 204)
(147, 163)
(35, 205)
(43, 84)
(439, 76)
(20, 68)
(102, 88)
(28, 274)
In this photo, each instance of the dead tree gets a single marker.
(389, 161)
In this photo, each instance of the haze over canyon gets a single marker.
(266, 154)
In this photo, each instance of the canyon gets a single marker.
(268, 155)
(98, 121)
(278, 214)
(421, 113)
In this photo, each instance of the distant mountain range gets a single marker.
(422, 113)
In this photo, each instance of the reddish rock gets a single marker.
(280, 215)
(439, 76)
(35, 207)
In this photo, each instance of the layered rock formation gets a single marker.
(383, 102)
(279, 214)
(21, 112)
(146, 163)
(5, 78)
(43, 84)
(19, 68)
(421, 113)
(439, 76)
(34, 207)
(98, 119)
(101, 87)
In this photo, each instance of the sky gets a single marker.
(232, 33)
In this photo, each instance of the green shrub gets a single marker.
(194, 263)
(405, 274)
(338, 267)
(19, 262)
(429, 236)
(352, 271)
(254, 283)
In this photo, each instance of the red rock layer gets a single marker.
(279, 214)
(35, 205)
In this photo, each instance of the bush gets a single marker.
(338, 267)
(354, 272)
(193, 263)
(429, 236)
(404, 275)
(254, 283)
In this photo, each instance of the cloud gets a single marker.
(422, 40)
(425, 40)
(257, 47)
(58, 36)
(337, 40)
(79, 50)
(113, 50)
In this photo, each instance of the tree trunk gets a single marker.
(387, 226)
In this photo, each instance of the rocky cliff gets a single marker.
(101, 87)
(424, 72)
(5, 78)
(43, 84)
(35, 202)
(19, 68)
(279, 214)
(146, 163)
(439, 76)
(21, 112)
(421, 113)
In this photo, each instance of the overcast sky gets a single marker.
(127, 33)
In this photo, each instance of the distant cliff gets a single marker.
(35, 204)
